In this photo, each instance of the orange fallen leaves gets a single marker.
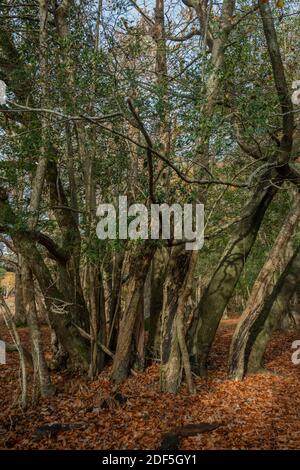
(262, 412)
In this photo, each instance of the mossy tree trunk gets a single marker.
(261, 290)
(255, 359)
(259, 328)
(221, 286)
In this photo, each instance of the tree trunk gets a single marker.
(180, 273)
(137, 276)
(115, 301)
(39, 363)
(139, 337)
(9, 320)
(261, 290)
(260, 328)
(183, 280)
(63, 314)
(20, 315)
(157, 280)
(97, 319)
(255, 360)
(221, 286)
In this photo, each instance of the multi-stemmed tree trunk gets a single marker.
(39, 363)
(64, 310)
(139, 267)
(172, 360)
(131, 328)
(246, 332)
(221, 286)
(159, 263)
(176, 312)
(262, 289)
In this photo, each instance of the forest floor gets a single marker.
(261, 412)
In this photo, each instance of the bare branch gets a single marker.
(141, 12)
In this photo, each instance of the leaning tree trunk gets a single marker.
(255, 360)
(261, 290)
(221, 286)
(256, 340)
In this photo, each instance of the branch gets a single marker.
(202, 12)
(141, 12)
(50, 245)
(249, 149)
(241, 18)
(5, 260)
(280, 80)
(57, 113)
(168, 163)
(87, 336)
(6, 242)
(149, 148)
(194, 32)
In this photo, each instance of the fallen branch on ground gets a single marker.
(171, 440)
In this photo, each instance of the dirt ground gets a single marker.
(261, 412)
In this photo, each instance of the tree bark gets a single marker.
(9, 320)
(20, 315)
(138, 272)
(183, 282)
(261, 290)
(221, 286)
(39, 363)
(261, 327)
(157, 280)
(175, 305)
